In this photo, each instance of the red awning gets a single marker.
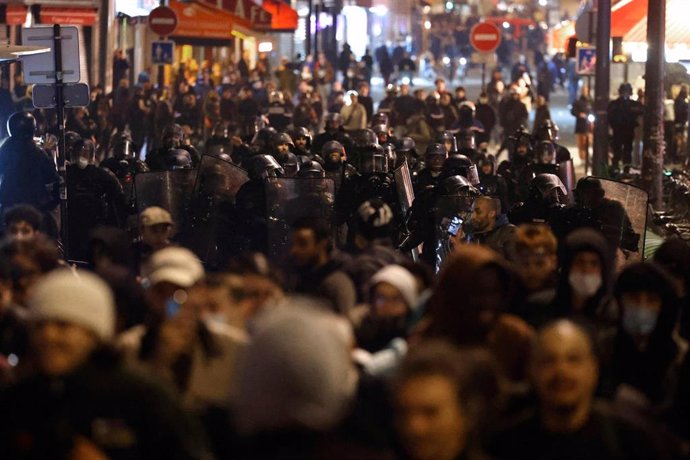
(246, 13)
(677, 31)
(15, 15)
(625, 15)
(200, 21)
(68, 16)
(283, 17)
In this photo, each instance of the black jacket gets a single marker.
(125, 416)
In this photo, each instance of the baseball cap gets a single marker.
(174, 265)
(155, 215)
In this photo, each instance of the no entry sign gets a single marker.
(162, 21)
(485, 37)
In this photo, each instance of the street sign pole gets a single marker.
(600, 157)
(61, 147)
(161, 72)
(654, 145)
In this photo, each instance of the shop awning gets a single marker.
(283, 17)
(631, 21)
(197, 22)
(246, 13)
(15, 15)
(625, 15)
(68, 16)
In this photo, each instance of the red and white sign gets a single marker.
(162, 21)
(485, 37)
(71, 16)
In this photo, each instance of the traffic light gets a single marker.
(617, 54)
(571, 47)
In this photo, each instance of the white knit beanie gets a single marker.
(401, 279)
(75, 297)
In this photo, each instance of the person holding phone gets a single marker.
(194, 357)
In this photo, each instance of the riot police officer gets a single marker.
(434, 157)
(437, 215)
(250, 205)
(27, 174)
(519, 156)
(545, 203)
(173, 138)
(333, 131)
(335, 163)
(282, 145)
(123, 163)
(301, 137)
(490, 183)
(95, 198)
(406, 151)
(548, 131)
(448, 140)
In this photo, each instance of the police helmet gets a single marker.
(406, 145)
(379, 118)
(457, 185)
(330, 147)
(291, 165)
(21, 125)
(178, 159)
(334, 119)
(365, 138)
(311, 170)
(301, 133)
(264, 136)
(547, 131)
(282, 138)
(467, 108)
(261, 167)
(543, 184)
(545, 153)
(435, 149)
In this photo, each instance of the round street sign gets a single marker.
(162, 20)
(485, 37)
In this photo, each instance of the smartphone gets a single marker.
(454, 225)
(172, 307)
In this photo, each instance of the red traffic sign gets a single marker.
(162, 21)
(485, 37)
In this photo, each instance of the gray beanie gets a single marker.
(77, 297)
(296, 372)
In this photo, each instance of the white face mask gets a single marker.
(584, 285)
(82, 163)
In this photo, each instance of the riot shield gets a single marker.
(622, 214)
(405, 189)
(169, 190)
(288, 199)
(211, 209)
(566, 172)
(450, 214)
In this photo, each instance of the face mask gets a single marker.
(82, 163)
(638, 320)
(217, 318)
(584, 285)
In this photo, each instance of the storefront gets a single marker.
(82, 14)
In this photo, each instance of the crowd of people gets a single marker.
(266, 267)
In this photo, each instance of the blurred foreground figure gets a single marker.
(80, 404)
(568, 423)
